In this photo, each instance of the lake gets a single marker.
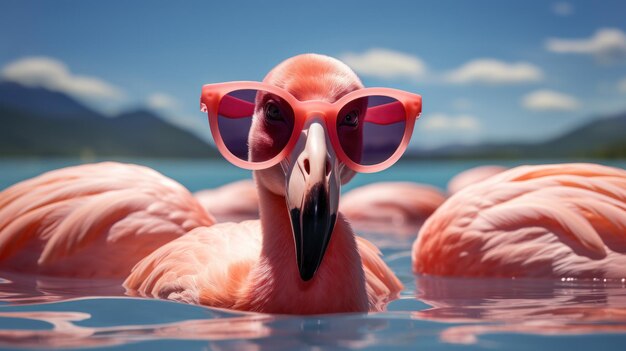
(432, 312)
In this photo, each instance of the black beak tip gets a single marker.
(306, 274)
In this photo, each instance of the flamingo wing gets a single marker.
(381, 283)
(92, 220)
(564, 220)
(208, 266)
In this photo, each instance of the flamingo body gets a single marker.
(93, 220)
(566, 220)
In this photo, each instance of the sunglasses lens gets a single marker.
(371, 128)
(255, 125)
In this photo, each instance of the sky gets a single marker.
(487, 70)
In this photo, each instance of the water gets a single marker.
(432, 312)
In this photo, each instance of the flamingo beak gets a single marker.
(313, 188)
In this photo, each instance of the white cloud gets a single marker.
(444, 122)
(492, 71)
(386, 64)
(621, 85)
(162, 101)
(54, 75)
(549, 100)
(607, 44)
(562, 8)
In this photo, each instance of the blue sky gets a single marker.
(487, 70)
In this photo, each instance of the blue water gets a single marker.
(432, 312)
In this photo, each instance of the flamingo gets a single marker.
(245, 266)
(257, 272)
(471, 176)
(562, 220)
(398, 207)
(94, 220)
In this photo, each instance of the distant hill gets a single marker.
(43, 102)
(603, 137)
(39, 122)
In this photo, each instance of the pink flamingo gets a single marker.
(93, 220)
(566, 220)
(471, 176)
(258, 273)
(234, 201)
(388, 206)
(245, 266)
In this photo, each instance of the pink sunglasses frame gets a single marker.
(212, 95)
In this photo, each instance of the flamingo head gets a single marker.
(311, 176)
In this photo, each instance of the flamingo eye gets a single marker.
(351, 119)
(272, 112)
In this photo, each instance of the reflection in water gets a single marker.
(223, 330)
(66, 333)
(459, 311)
(533, 306)
(433, 312)
(22, 289)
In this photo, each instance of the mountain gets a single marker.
(39, 122)
(603, 137)
(40, 101)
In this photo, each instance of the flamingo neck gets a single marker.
(275, 285)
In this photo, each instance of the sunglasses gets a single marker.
(369, 128)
